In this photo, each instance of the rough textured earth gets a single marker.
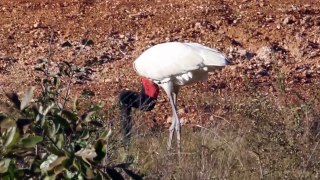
(265, 41)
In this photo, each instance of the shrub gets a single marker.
(49, 138)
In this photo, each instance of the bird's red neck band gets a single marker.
(151, 89)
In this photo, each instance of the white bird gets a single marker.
(170, 66)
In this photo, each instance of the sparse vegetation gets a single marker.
(265, 137)
(257, 119)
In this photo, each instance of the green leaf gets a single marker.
(60, 140)
(57, 162)
(12, 137)
(59, 169)
(35, 167)
(31, 141)
(105, 135)
(68, 162)
(44, 167)
(64, 124)
(42, 120)
(4, 165)
(88, 171)
(100, 148)
(52, 129)
(54, 150)
(27, 98)
(85, 134)
(19, 173)
(45, 112)
(50, 177)
(42, 113)
(84, 167)
(101, 175)
(70, 115)
(86, 154)
(88, 116)
(70, 175)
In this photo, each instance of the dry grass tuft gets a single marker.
(258, 136)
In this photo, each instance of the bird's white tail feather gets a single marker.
(211, 57)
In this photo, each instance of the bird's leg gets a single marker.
(174, 95)
(172, 92)
(175, 126)
(177, 120)
(173, 122)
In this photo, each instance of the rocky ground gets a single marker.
(267, 41)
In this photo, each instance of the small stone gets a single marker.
(218, 22)
(246, 54)
(242, 52)
(221, 31)
(197, 25)
(108, 80)
(121, 36)
(36, 25)
(288, 20)
(307, 74)
(264, 53)
(181, 111)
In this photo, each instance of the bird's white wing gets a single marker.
(170, 59)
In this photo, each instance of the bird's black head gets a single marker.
(130, 99)
(143, 101)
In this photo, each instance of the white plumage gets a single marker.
(173, 64)
(169, 60)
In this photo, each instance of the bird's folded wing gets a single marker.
(170, 59)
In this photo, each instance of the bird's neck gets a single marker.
(150, 88)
